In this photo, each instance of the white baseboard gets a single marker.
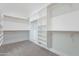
(58, 52)
(12, 42)
(52, 50)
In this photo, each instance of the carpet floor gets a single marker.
(24, 48)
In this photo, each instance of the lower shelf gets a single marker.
(42, 42)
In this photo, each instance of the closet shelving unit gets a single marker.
(45, 22)
(42, 27)
(41, 18)
(34, 27)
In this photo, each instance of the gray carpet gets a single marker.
(24, 48)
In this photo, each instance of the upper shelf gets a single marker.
(16, 30)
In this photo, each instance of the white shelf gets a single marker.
(42, 28)
(42, 35)
(42, 21)
(41, 25)
(63, 30)
(44, 39)
(42, 42)
(16, 29)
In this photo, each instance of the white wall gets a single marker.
(66, 22)
(65, 31)
(15, 30)
(62, 43)
(66, 43)
(9, 25)
(15, 36)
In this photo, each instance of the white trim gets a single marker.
(51, 50)
(58, 52)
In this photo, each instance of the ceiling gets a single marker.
(20, 9)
